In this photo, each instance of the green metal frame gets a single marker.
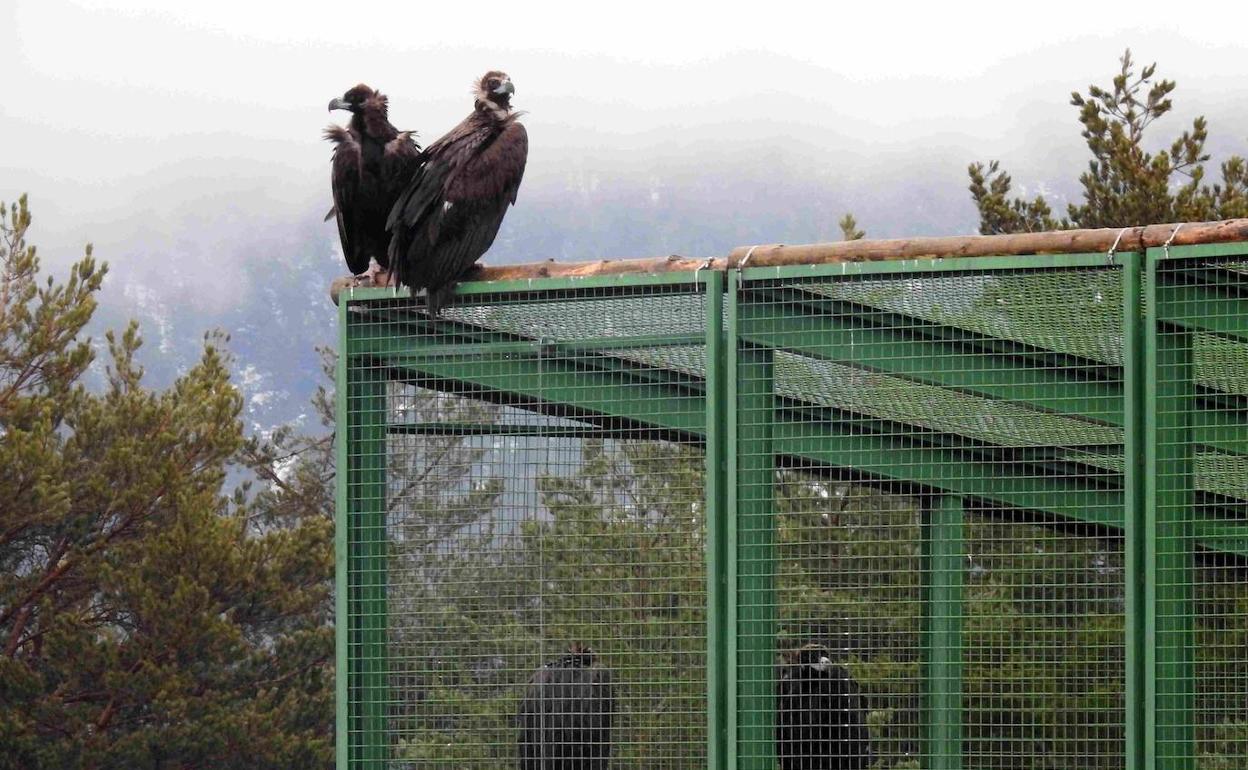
(719, 596)
(366, 568)
(731, 491)
(1168, 574)
(342, 614)
(1134, 524)
(753, 508)
(944, 561)
(1153, 402)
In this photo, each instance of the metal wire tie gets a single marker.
(1112, 249)
(748, 254)
(741, 265)
(705, 265)
(1165, 247)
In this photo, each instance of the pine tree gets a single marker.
(1125, 184)
(849, 228)
(146, 620)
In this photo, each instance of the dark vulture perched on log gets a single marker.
(373, 161)
(820, 714)
(565, 716)
(449, 214)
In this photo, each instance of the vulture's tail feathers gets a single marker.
(438, 298)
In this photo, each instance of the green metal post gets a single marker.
(755, 544)
(1168, 574)
(943, 565)
(341, 605)
(718, 632)
(1133, 534)
(731, 337)
(365, 429)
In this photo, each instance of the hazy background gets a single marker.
(183, 139)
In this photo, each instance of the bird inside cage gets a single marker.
(821, 716)
(566, 714)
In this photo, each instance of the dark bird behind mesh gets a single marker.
(566, 714)
(820, 714)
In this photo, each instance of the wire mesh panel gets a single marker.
(975, 514)
(1044, 647)
(527, 530)
(1198, 497)
(930, 512)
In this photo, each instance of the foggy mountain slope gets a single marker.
(204, 187)
(247, 252)
(222, 230)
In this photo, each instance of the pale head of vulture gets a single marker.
(493, 92)
(814, 656)
(358, 99)
(353, 100)
(370, 113)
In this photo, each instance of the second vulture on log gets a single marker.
(452, 209)
(372, 163)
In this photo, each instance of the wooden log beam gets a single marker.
(772, 255)
(1052, 242)
(550, 269)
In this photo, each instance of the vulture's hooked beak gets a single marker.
(338, 103)
(505, 87)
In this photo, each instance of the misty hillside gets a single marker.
(252, 264)
(222, 228)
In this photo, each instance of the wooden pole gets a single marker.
(772, 255)
(1053, 242)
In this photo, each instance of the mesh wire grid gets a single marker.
(1199, 503)
(928, 523)
(929, 558)
(529, 589)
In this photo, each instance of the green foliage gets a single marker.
(615, 562)
(610, 554)
(849, 576)
(998, 213)
(622, 557)
(1125, 184)
(297, 468)
(849, 228)
(145, 619)
(1225, 748)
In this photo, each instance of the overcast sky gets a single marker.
(147, 119)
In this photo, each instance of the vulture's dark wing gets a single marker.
(368, 174)
(345, 183)
(493, 170)
(450, 213)
(399, 159)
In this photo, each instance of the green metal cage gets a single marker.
(1004, 500)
